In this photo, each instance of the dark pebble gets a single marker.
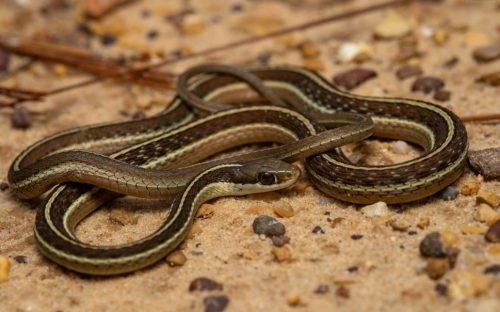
(492, 269)
(492, 79)
(139, 115)
(145, 13)
(84, 28)
(264, 58)
(343, 292)
(486, 162)
(21, 118)
(412, 233)
(215, 303)
(441, 289)
(452, 256)
(407, 71)
(21, 259)
(108, 40)
(280, 240)
(237, 7)
(353, 78)
(356, 236)
(4, 61)
(352, 269)
(431, 246)
(322, 289)
(493, 233)
(327, 213)
(203, 283)
(451, 62)
(3, 185)
(427, 84)
(487, 53)
(449, 193)
(177, 54)
(442, 95)
(152, 34)
(268, 226)
(318, 230)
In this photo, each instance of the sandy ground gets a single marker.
(223, 247)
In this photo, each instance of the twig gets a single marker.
(99, 8)
(486, 117)
(21, 94)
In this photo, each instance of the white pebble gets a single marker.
(426, 31)
(348, 51)
(379, 209)
(400, 147)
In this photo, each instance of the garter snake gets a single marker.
(177, 137)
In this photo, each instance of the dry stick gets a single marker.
(486, 117)
(21, 94)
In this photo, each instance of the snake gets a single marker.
(122, 156)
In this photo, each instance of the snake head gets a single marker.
(269, 175)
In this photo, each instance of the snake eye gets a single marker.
(266, 178)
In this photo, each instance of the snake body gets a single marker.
(179, 137)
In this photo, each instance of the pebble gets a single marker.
(194, 230)
(293, 299)
(431, 246)
(264, 58)
(192, 24)
(315, 64)
(356, 236)
(280, 240)
(400, 147)
(466, 285)
(205, 211)
(442, 95)
(309, 50)
(436, 267)
(441, 289)
(399, 225)
(493, 233)
(486, 162)
(4, 61)
(469, 188)
(486, 214)
(452, 256)
(449, 238)
(451, 62)
(60, 70)
(440, 36)
(379, 209)
(3, 186)
(492, 79)
(284, 210)
(392, 26)
(427, 84)
(357, 52)
(476, 39)
(352, 269)
(268, 226)
(492, 269)
(21, 118)
(215, 303)
(489, 198)
(282, 254)
(203, 283)
(407, 71)
(318, 230)
(472, 229)
(322, 289)
(138, 115)
(4, 269)
(176, 258)
(108, 40)
(248, 254)
(423, 223)
(487, 53)
(343, 292)
(152, 34)
(21, 259)
(449, 193)
(354, 77)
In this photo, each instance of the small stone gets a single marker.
(138, 115)
(4, 61)
(322, 289)
(427, 84)
(412, 233)
(21, 259)
(354, 77)
(493, 233)
(309, 50)
(477, 39)
(489, 198)
(248, 254)
(357, 52)
(378, 209)
(237, 7)
(492, 79)
(407, 71)
(282, 254)
(194, 230)
(3, 186)
(393, 26)
(21, 118)
(152, 34)
(205, 211)
(431, 246)
(108, 40)
(314, 64)
(192, 25)
(440, 36)
(203, 283)
(436, 267)
(400, 147)
(356, 236)
(4, 269)
(486, 214)
(176, 258)
(441, 289)
(451, 62)
(215, 303)
(449, 238)
(492, 269)
(442, 95)
(293, 299)
(469, 188)
(318, 230)
(472, 229)
(268, 226)
(284, 210)
(399, 225)
(466, 285)
(452, 254)
(487, 53)
(336, 221)
(423, 223)
(264, 58)
(486, 162)
(449, 193)
(60, 70)
(343, 292)
(352, 269)
(280, 240)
